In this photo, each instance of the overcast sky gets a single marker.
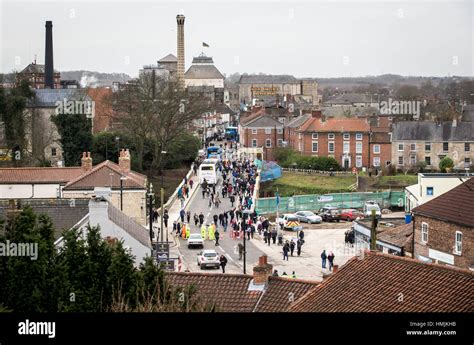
(302, 38)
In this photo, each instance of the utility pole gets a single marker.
(373, 232)
(150, 211)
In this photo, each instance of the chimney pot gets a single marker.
(124, 161)
(86, 162)
(262, 272)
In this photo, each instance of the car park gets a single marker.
(208, 258)
(288, 221)
(351, 214)
(195, 240)
(308, 217)
(330, 214)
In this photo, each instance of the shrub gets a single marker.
(446, 164)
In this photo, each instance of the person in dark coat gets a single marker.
(223, 262)
(217, 235)
(196, 219)
(299, 244)
(323, 258)
(215, 219)
(286, 249)
(201, 219)
(181, 215)
(292, 247)
(188, 216)
(331, 257)
(301, 235)
(165, 218)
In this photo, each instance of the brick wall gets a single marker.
(385, 154)
(441, 237)
(261, 137)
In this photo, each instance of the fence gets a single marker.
(314, 202)
(319, 172)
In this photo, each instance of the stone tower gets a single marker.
(180, 21)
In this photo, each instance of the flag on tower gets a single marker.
(204, 44)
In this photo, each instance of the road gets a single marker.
(227, 244)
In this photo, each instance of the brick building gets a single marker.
(444, 228)
(380, 149)
(262, 131)
(346, 140)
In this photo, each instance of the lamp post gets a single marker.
(117, 139)
(150, 211)
(122, 178)
(162, 191)
(246, 215)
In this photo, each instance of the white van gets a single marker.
(369, 206)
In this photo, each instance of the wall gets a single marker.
(385, 154)
(261, 137)
(217, 83)
(245, 90)
(27, 191)
(441, 237)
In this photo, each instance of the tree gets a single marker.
(446, 164)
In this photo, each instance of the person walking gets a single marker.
(323, 258)
(292, 247)
(240, 247)
(215, 217)
(274, 234)
(223, 262)
(299, 244)
(188, 216)
(182, 214)
(203, 231)
(196, 219)
(301, 236)
(331, 260)
(216, 235)
(165, 218)
(201, 219)
(286, 249)
(211, 232)
(191, 182)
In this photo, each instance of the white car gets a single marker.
(195, 240)
(288, 221)
(208, 258)
(369, 206)
(308, 217)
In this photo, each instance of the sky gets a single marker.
(301, 38)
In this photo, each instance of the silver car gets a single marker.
(308, 217)
(208, 258)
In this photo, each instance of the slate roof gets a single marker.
(231, 293)
(100, 176)
(378, 281)
(49, 97)
(335, 125)
(430, 131)
(263, 121)
(39, 175)
(35, 68)
(400, 236)
(63, 214)
(454, 206)
(468, 114)
(268, 79)
(168, 58)
(298, 121)
(203, 72)
(348, 111)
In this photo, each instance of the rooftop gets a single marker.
(39, 175)
(49, 97)
(430, 131)
(268, 79)
(168, 58)
(263, 121)
(388, 283)
(203, 72)
(400, 236)
(335, 125)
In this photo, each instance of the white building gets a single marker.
(203, 73)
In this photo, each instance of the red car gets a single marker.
(351, 214)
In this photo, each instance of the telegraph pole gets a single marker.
(373, 232)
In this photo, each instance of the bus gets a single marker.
(208, 171)
(231, 133)
(213, 150)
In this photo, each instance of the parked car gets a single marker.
(351, 214)
(308, 217)
(195, 240)
(372, 205)
(330, 214)
(207, 258)
(288, 221)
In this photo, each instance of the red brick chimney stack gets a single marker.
(86, 162)
(124, 160)
(262, 271)
(316, 114)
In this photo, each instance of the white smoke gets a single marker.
(88, 81)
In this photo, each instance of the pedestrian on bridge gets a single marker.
(203, 231)
(196, 219)
(182, 214)
(211, 232)
(201, 219)
(217, 235)
(223, 262)
(188, 217)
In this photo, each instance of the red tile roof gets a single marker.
(335, 125)
(39, 175)
(455, 206)
(388, 283)
(100, 176)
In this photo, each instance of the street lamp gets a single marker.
(122, 178)
(246, 213)
(117, 139)
(150, 211)
(162, 192)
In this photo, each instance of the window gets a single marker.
(445, 147)
(346, 136)
(467, 161)
(428, 160)
(331, 136)
(268, 142)
(281, 120)
(254, 131)
(299, 135)
(314, 146)
(331, 146)
(400, 160)
(429, 191)
(280, 131)
(359, 147)
(268, 131)
(412, 147)
(400, 147)
(467, 147)
(376, 161)
(376, 148)
(280, 142)
(427, 147)
(359, 161)
(358, 136)
(424, 232)
(412, 160)
(458, 242)
(346, 148)
(254, 142)
(53, 152)
(314, 136)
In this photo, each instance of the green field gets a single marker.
(300, 183)
(394, 182)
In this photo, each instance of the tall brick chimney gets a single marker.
(124, 161)
(181, 65)
(48, 57)
(262, 271)
(86, 162)
(316, 114)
